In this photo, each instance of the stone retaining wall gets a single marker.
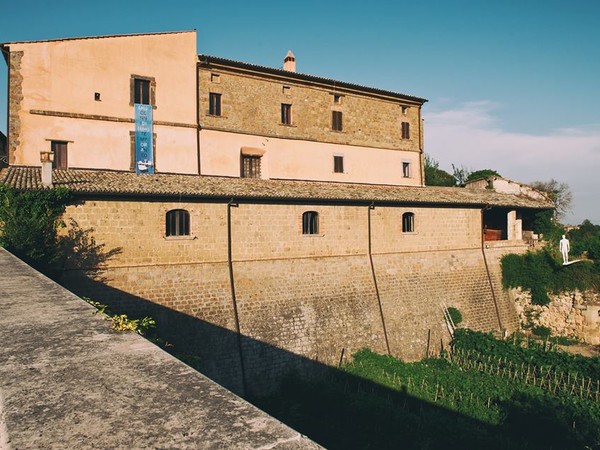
(571, 314)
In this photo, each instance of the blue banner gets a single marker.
(144, 149)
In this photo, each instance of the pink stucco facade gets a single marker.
(79, 91)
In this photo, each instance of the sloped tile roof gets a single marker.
(105, 182)
(209, 60)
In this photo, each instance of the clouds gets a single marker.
(470, 134)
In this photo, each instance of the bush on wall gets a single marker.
(29, 222)
(542, 272)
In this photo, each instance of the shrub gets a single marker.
(540, 272)
(455, 315)
(542, 331)
(29, 222)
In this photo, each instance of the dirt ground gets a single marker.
(582, 349)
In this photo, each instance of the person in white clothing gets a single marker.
(564, 247)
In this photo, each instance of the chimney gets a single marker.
(289, 62)
(46, 158)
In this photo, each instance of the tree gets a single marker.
(558, 193)
(434, 176)
(483, 173)
(461, 174)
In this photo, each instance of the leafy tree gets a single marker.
(434, 176)
(559, 193)
(585, 238)
(29, 222)
(483, 173)
(545, 223)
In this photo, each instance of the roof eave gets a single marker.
(215, 61)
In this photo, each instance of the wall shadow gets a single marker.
(334, 408)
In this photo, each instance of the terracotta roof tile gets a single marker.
(105, 182)
(208, 60)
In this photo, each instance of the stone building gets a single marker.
(280, 220)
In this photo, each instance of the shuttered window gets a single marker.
(336, 120)
(59, 148)
(405, 130)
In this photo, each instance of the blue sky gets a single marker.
(512, 85)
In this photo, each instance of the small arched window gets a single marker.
(408, 222)
(177, 223)
(310, 222)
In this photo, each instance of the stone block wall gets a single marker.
(314, 307)
(15, 98)
(295, 299)
(414, 286)
(573, 314)
(251, 103)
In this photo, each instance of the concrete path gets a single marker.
(68, 382)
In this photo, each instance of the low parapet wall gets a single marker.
(68, 381)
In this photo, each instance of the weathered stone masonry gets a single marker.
(310, 295)
(15, 97)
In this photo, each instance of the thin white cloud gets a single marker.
(469, 135)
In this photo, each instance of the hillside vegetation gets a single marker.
(490, 394)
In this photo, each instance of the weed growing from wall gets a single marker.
(122, 322)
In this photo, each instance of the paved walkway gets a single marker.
(68, 381)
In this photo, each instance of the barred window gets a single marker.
(310, 222)
(250, 166)
(177, 223)
(408, 222)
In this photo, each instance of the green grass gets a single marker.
(380, 402)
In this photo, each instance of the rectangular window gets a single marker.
(336, 120)
(406, 170)
(59, 148)
(214, 104)
(405, 130)
(286, 114)
(141, 91)
(250, 166)
(338, 164)
(337, 98)
(215, 78)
